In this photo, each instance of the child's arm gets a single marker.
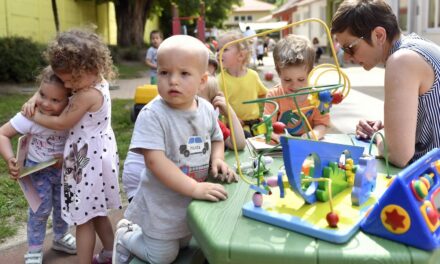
(220, 102)
(148, 60)
(88, 100)
(7, 131)
(218, 164)
(172, 177)
(150, 63)
(318, 130)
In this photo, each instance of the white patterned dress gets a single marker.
(91, 166)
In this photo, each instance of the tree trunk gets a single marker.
(131, 16)
(55, 15)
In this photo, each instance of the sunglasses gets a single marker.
(349, 49)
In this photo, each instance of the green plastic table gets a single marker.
(226, 236)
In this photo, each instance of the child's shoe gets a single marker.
(101, 259)
(66, 244)
(33, 257)
(122, 255)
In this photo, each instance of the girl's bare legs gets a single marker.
(103, 228)
(85, 242)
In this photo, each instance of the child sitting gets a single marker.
(181, 141)
(243, 84)
(294, 57)
(46, 144)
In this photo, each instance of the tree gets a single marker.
(216, 11)
(131, 16)
(55, 15)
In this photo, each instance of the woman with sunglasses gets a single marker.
(369, 34)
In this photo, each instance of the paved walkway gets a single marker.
(364, 101)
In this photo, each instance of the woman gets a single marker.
(369, 34)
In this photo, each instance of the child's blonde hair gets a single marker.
(47, 75)
(242, 46)
(211, 88)
(294, 50)
(80, 51)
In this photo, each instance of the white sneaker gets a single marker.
(33, 257)
(121, 255)
(66, 244)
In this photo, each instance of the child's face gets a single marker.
(232, 56)
(155, 40)
(180, 76)
(293, 77)
(52, 99)
(86, 80)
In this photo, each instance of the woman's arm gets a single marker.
(84, 101)
(407, 75)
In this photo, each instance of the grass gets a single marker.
(131, 70)
(13, 206)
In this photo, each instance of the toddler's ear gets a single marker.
(204, 78)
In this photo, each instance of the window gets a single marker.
(433, 14)
(236, 18)
(403, 15)
(243, 18)
(249, 18)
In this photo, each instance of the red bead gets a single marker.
(278, 127)
(337, 97)
(332, 219)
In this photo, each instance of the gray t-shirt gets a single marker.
(152, 56)
(185, 137)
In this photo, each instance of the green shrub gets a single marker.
(20, 59)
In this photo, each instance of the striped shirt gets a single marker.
(428, 112)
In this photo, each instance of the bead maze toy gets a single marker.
(316, 175)
(409, 212)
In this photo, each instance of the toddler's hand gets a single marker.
(209, 191)
(221, 170)
(275, 137)
(220, 102)
(366, 128)
(14, 170)
(28, 109)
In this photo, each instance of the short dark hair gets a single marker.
(360, 17)
(156, 32)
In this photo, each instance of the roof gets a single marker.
(253, 5)
(287, 6)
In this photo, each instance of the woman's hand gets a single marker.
(366, 128)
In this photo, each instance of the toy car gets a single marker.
(143, 95)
